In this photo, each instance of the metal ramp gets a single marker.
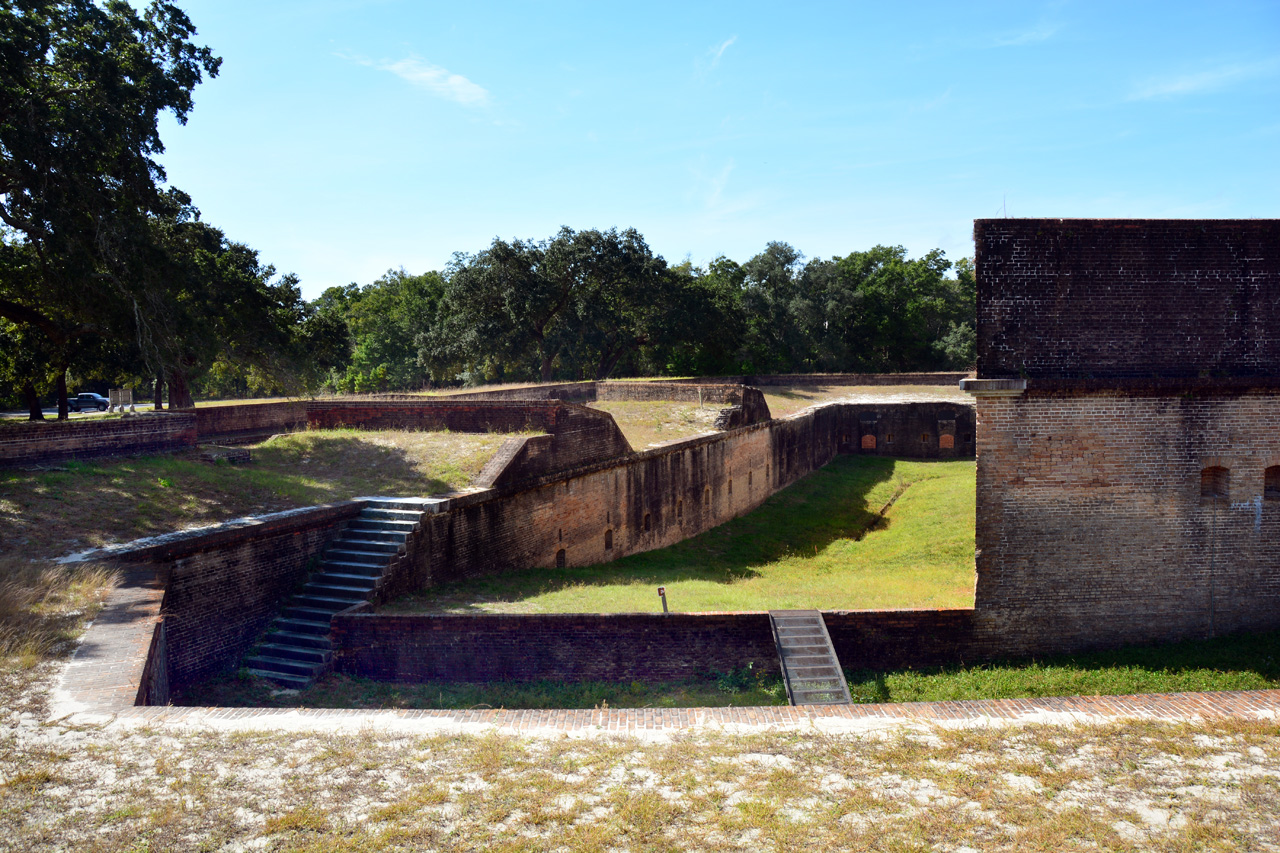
(810, 669)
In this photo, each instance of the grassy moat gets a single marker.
(821, 543)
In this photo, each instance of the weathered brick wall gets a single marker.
(1091, 529)
(249, 420)
(680, 392)
(574, 392)
(86, 438)
(812, 380)
(627, 646)
(909, 430)
(1085, 298)
(569, 647)
(226, 585)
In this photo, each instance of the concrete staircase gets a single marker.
(296, 648)
(810, 668)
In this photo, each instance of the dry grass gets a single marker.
(76, 505)
(787, 401)
(43, 609)
(646, 423)
(1127, 786)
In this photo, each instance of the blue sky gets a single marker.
(347, 137)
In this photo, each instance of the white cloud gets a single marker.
(1173, 86)
(436, 80)
(718, 51)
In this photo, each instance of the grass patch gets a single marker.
(76, 505)
(648, 422)
(820, 543)
(743, 688)
(1237, 662)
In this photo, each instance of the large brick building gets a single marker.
(1128, 406)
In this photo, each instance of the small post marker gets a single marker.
(662, 593)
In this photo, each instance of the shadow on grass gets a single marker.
(830, 504)
(1235, 662)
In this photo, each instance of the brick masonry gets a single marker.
(1149, 352)
(86, 438)
(629, 646)
(1081, 298)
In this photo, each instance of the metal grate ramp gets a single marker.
(810, 669)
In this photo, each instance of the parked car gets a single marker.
(87, 401)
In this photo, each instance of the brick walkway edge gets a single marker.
(1161, 707)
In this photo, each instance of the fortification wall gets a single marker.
(411, 648)
(224, 586)
(35, 443)
(1081, 298)
(1146, 353)
(249, 420)
(1091, 528)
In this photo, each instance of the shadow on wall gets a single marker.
(830, 507)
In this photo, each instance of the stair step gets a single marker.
(368, 546)
(409, 515)
(309, 627)
(353, 568)
(373, 530)
(312, 641)
(376, 524)
(301, 654)
(341, 555)
(358, 581)
(290, 667)
(810, 669)
(310, 615)
(284, 679)
(329, 603)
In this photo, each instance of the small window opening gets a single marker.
(1215, 482)
(1271, 484)
(731, 487)
(924, 438)
(608, 540)
(706, 497)
(607, 519)
(560, 559)
(561, 537)
(888, 439)
(679, 509)
(646, 521)
(748, 478)
(766, 472)
(844, 439)
(968, 438)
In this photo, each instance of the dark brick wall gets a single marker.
(627, 646)
(1081, 298)
(812, 380)
(33, 443)
(249, 420)
(226, 586)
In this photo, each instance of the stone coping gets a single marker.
(1263, 705)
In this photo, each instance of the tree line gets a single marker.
(594, 304)
(110, 277)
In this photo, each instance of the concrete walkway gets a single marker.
(661, 723)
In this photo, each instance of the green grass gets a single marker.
(820, 543)
(743, 688)
(48, 513)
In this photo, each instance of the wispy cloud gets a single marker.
(1209, 80)
(434, 79)
(718, 51)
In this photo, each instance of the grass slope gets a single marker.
(820, 543)
(48, 513)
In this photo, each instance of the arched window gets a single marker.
(1271, 484)
(608, 540)
(706, 497)
(868, 442)
(1215, 483)
(560, 559)
(646, 521)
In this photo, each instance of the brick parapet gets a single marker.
(88, 438)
